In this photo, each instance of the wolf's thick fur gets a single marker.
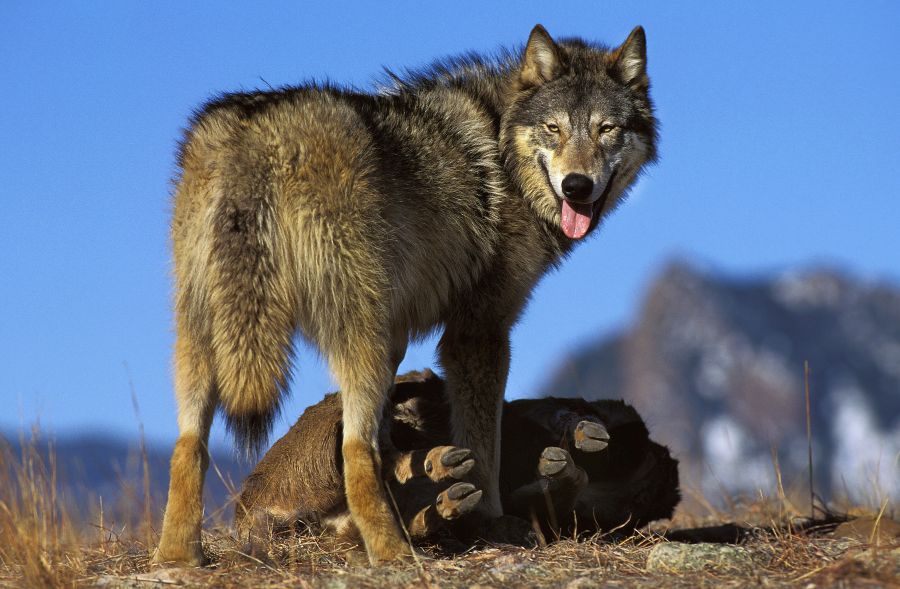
(362, 220)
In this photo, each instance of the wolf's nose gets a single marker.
(577, 187)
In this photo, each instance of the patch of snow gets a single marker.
(732, 459)
(866, 459)
(795, 289)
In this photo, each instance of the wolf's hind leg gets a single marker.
(365, 374)
(195, 392)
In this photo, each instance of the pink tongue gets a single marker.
(576, 218)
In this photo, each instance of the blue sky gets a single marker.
(780, 144)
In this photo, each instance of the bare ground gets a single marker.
(816, 558)
(42, 546)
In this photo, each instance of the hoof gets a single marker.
(459, 499)
(591, 436)
(448, 462)
(553, 461)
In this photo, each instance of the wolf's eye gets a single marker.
(552, 127)
(605, 128)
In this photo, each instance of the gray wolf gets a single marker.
(363, 220)
(568, 465)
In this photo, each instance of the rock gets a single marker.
(675, 557)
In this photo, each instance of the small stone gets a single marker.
(675, 557)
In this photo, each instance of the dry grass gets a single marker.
(40, 546)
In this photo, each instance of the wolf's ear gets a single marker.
(630, 60)
(542, 61)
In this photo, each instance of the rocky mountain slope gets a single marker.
(715, 364)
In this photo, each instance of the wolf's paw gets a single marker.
(459, 499)
(590, 436)
(448, 462)
(193, 556)
(553, 461)
(383, 551)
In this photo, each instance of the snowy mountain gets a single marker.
(715, 364)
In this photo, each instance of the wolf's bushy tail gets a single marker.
(253, 318)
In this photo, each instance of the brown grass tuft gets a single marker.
(38, 543)
(41, 546)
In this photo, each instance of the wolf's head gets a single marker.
(579, 128)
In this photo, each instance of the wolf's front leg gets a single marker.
(475, 358)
